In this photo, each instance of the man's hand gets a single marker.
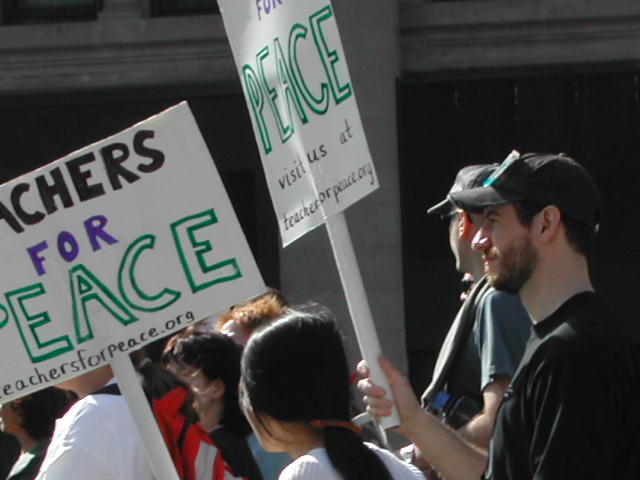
(378, 405)
(443, 448)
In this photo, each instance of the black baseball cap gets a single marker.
(471, 176)
(546, 179)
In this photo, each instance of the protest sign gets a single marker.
(112, 247)
(303, 109)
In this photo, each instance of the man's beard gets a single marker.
(515, 267)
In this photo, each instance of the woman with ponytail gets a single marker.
(295, 391)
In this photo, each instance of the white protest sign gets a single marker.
(303, 108)
(312, 143)
(112, 247)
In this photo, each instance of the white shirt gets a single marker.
(98, 440)
(315, 465)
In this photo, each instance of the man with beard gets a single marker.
(572, 408)
(486, 340)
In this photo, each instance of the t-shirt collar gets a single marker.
(553, 321)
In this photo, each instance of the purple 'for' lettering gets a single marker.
(68, 246)
(36, 258)
(95, 229)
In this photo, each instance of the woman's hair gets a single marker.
(157, 381)
(217, 357)
(255, 313)
(37, 412)
(295, 370)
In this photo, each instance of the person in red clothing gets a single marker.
(209, 362)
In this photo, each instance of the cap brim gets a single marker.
(475, 200)
(441, 208)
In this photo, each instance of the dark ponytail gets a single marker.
(296, 370)
(350, 457)
(157, 381)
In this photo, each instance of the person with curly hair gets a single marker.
(209, 362)
(243, 319)
(31, 419)
(9, 452)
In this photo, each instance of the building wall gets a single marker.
(125, 47)
(457, 36)
(384, 40)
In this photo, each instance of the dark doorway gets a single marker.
(444, 125)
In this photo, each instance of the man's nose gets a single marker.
(481, 241)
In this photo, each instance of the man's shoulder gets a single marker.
(93, 412)
(496, 307)
(585, 319)
(588, 332)
(492, 295)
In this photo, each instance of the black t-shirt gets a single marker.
(573, 408)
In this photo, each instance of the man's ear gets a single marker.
(547, 221)
(465, 225)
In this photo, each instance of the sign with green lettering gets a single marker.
(303, 109)
(113, 246)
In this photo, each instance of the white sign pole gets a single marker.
(358, 305)
(155, 447)
(309, 132)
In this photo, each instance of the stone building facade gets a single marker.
(415, 65)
